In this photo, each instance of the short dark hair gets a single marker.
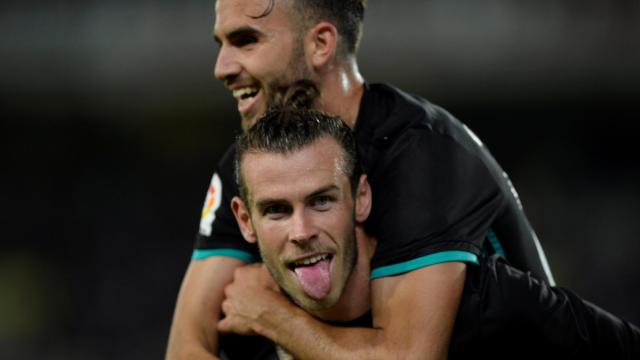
(290, 125)
(346, 15)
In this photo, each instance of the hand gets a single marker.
(252, 293)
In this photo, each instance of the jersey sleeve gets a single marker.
(219, 234)
(434, 202)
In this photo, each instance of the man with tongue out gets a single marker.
(301, 197)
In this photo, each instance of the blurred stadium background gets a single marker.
(112, 122)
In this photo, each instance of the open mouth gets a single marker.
(314, 275)
(309, 261)
(245, 93)
(247, 98)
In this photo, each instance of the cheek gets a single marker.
(274, 71)
(272, 237)
(276, 60)
(338, 224)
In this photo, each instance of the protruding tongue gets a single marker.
(315, 279)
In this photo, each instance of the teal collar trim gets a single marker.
(431, 259)
(495, 243)
(233, 253)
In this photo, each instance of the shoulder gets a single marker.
(406, 111)
(402, 103)
(397, 118)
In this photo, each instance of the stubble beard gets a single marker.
(351, 257)
(297, 70)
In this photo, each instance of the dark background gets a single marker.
(112, 122)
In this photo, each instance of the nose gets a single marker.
(227, 67)
(302, 229)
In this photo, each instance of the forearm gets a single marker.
(413, 316)
(191, 336)
(308, 338)
(195, 351)
(409, 321)
(188, 340)
(193, 332)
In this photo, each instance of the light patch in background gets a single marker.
(30, 298)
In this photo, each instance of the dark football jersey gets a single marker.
(438, 194)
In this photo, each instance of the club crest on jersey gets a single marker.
(211, 204)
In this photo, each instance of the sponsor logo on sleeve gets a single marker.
(211, 204)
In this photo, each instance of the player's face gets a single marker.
(302, 212)
(256, 55)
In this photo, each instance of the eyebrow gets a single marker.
(241, 31)
(322, 190)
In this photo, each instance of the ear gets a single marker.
(322, 42)
(243, 218)
(363, 200)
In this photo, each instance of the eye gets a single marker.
(322, 202)
(244, 40)
(274, 210)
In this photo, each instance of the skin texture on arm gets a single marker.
(193, 331)
(413, 318)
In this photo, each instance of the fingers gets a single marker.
(223, 326)
(234, 324)
(226, 306)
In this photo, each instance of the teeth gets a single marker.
(243, 92)
(312, 260)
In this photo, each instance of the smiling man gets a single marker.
(272, 54)
(441, 199)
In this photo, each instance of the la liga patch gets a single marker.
(211, 204)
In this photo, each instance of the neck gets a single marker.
(341, 89)
(356, 297)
